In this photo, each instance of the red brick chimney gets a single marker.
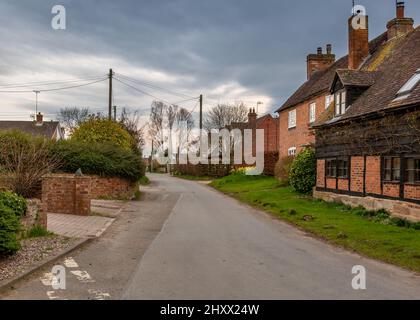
(358, 40)
(252, 115)
(400, 25)
(39, 119)
(319, 61)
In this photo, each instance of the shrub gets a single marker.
(38, 231)
(103, 131)
(9, 228)
(99, 158)
(14, 202)
(24, 159)
(302, 175)
(282, 169)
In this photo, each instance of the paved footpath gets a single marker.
(187, 241)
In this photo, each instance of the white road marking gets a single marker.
(70, 263)
(47, 279)
(82, 276)
(99, 295)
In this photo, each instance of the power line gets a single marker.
(47, 83)
(54, 89)
(150, 85)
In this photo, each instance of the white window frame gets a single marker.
(340, 103)
(291, 151)
(312, 112)
(328, 99)
(409, 86)
(292, 119)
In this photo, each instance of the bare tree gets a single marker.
(223, 115)
(131, 122)
(156, 124)
(72, 117)
(184, 121)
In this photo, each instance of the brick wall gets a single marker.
(412, 191)
(70, 194)
(112, 187)
(356, 174)
(320, 173)
(270, 160)
(373, 174)
(270, 126)
(301, 135)
(331, 183)
(343, 184)
(391, 189)
(66, 193)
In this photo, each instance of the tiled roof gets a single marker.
(321, 80)
(358, 78)
(395, 69)
(47, 128)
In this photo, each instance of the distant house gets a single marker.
(48, 129)
(368, 143)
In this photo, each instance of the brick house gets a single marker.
(368, 142)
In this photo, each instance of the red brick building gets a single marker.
(368, 142)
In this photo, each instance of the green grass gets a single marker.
(194, 178)
(373, 234)
(144, 181)
(37, 231)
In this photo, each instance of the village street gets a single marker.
(187, 241)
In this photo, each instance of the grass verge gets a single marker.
(373, 234)
(194, 178)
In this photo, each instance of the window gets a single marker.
(410, 85)
(328, 100)
(292, 119)
(343, 168)
(291, 151)
(412, 170)
(392, 169)
(340, 102)
(331, 170)
(312, 112)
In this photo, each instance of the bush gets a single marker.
(282, 169)
(14, 202)
(24, 159)
(99, 158)
(302, 175)
(103, 131)
(9, 228)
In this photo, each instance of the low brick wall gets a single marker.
(402, 209)
(103, 187)
(199, 170)
(70, 194)
(270, 160)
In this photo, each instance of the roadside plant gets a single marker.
(14, 201)
(9, 229)
(302, 176)
(24, 159)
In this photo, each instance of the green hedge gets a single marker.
(99, 158)
(14, 202)
(9, 228)
(302, 175)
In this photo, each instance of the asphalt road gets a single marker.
(187, 241)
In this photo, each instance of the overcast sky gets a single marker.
(228, 50)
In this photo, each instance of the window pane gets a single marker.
(388, 163)
(387, 176)
(396, 169)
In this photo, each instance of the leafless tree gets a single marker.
(131, 122)
(183, 119)
(72, 117)
(156, 124)
(223, 115)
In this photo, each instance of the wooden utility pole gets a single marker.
(110, 95)
(201, 111)
(115, 113)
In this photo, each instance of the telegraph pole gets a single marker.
(201, 111)
(36, 101)
(110, 95)
(115, 113)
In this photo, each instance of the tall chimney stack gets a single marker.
(400, 25)
(358, 40)
(39, 119)
(319, 61)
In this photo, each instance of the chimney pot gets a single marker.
(329, 48)
(400, 10)
(319, 50)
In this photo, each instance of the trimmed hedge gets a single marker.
(14, 202)
(102, 159)
(9, 229)
(302, 175)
